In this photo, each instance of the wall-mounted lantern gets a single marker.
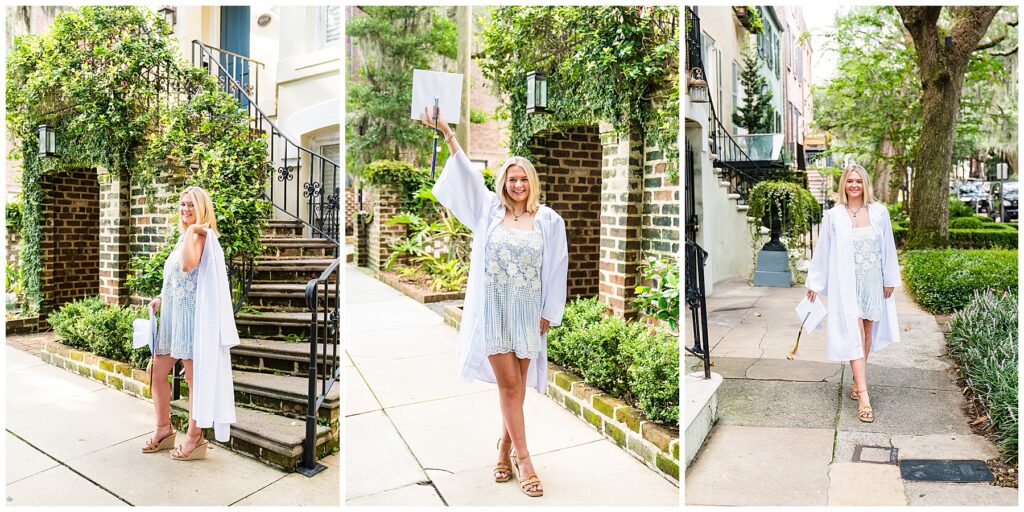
(47, 140)
(536, 92)
(697, 87)
(170, 14)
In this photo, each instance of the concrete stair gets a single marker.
(271, 365)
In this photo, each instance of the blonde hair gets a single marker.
(203, 208)
(869, 196)
(532, 200)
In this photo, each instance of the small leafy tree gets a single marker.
(757, 114)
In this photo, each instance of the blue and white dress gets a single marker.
(177, 307)
(867, 260)
(513, 300)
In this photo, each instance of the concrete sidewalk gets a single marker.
(73, 441)
(787, 430)
(415, 434)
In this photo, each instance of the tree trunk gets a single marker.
(942, 65)
(883, 172)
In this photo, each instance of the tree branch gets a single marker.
(1005, 53)
(990, 44)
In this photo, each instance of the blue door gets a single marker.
(234, 37)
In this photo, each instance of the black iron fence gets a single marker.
(323, 296)
(306, 184)
(696, 302)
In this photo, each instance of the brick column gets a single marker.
(387, 204)
(660, 226)
(621, 198)
(152, 216)
(114, 227)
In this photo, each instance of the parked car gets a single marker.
(1009, 194)
(975, 195)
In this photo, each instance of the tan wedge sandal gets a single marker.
(502, 469)
(164, 444)
(529, 483)
(866, 414)
(199, 452)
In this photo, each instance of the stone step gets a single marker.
(298, 248)
(284, 296)
(279, 357)
(280, 325)
(283, 395)
(274, 270)
(283, 228)
(701, 410)
(274, 440)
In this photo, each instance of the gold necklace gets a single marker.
(854, 213)
(517, 216)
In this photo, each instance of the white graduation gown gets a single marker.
(461, 189)
(832, 275)
(213, 402)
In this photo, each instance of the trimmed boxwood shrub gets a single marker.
(983, 238)
(983, 340)
(945, 280)
(626, 359)
(965, 223)
(957, 208)
(103, 329)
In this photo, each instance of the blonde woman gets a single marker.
(197, 327)
(855, 266)
(515, 293)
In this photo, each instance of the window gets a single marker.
(718, 77)
(735, 86)
(328, 26)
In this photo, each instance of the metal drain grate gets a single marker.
(876, 454)
(945, 470)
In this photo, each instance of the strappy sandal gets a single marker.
(527, 485)
(199, 452)
(164, 444)
(854, 395)
(502, 469)
(866, 414)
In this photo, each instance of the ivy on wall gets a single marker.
(101, 77)
(618, 64)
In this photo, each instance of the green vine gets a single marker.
(91, 77)
(606, 63)
(797, 208)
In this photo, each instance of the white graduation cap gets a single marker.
(446, 88)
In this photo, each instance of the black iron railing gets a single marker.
(323, 296)
(306, 185)
(696, 302)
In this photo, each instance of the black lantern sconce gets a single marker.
(170, 14)
(536, 92)
(697, 87)
(47, 140)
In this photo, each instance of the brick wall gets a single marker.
(351, 209)
(621, 200)
(13, 242)
(660, 212)
(569, 167)
(386, 204)
(152, 219)
(70, 237)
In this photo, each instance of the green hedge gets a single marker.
(965, 223)
(103, 329)
(983, 238)
(983, 340)
(944, 280)
(626, 359)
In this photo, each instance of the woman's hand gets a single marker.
(887, 291)
(544, 324)
(428, 119)
(811, 295)
(198, 229)
(154, 305)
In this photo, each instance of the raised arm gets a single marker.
(460, 188)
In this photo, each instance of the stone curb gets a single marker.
(656, 445)
(121, 376)
(27, 325)
(416, 293)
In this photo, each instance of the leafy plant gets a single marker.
(13, 220)
(983, 340)
(609, 63)
(440, 249)
(794, 204)
(945, 280)
(757, 114)
(105, 330)
(660, 299)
